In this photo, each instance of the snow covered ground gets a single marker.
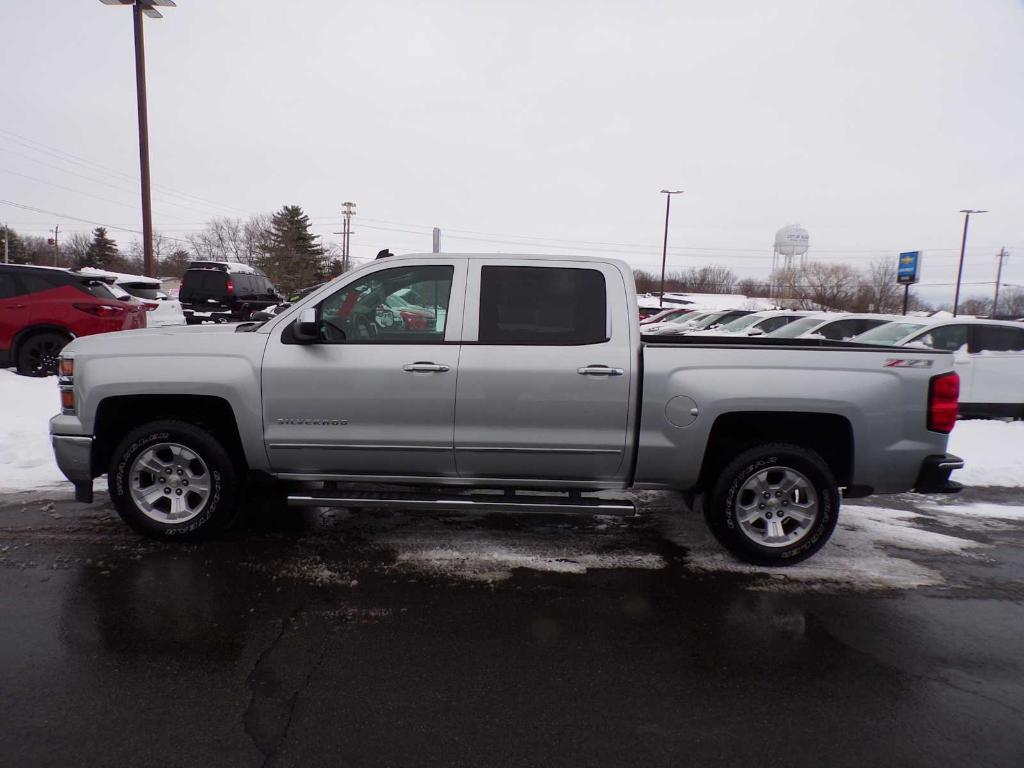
(993, 450)
(26, 405)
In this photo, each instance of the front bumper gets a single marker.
(74, 457)
(934, 474)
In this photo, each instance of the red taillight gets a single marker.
(149, 306)
(231, 287)
(943, 393)
(101, 310)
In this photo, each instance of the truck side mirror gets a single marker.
(306, 328)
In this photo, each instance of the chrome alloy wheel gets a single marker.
(776, 507)
(169, 483)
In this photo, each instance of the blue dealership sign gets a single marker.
(908, 268)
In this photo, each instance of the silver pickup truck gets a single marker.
(499, 383)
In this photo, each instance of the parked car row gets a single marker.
(988, 354)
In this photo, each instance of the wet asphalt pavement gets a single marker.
(321, 637)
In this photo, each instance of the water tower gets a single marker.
(791, 242)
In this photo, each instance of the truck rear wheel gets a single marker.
(170, 479)
(774, 504)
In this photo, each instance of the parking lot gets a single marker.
(333, 637)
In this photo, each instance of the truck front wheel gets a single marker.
(773, 504)
(170, 479)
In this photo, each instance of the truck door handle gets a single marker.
(598, 370)
(425, 367)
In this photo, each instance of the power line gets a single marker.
(46, 149)
(191, 208)
(69, 189)
(84, 221)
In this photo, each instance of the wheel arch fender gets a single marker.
(117, 415)
(29, 331)
(830, 435)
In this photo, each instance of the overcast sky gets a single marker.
(869, 123)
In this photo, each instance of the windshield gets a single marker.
(708, 320)
(797, 327)
(742, 322)
(692, 317)
(889, 333)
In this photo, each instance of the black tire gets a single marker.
(216, 513)
(720, 503)
(38, 355)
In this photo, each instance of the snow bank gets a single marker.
(26, 458)
(993, 452)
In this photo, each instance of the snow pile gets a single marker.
(477, 555)
(705, 301)
(993, 452)
(120, 277)
(26, 458)
(862, 554)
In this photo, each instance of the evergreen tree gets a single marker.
(295, 258)
(101, 253)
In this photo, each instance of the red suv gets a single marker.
(43, 308)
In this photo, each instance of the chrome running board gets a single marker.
(480, 502)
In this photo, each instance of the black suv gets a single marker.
(223, 291)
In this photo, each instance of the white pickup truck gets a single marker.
(499, 382)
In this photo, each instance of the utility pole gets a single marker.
(56, 245)
(435, 241)
(963, 246)
(1001, 256)
(6, 236)
(347, 211)
(664, 244)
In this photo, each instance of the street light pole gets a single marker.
(140, 88)
(140, 8)
(664, 243)
(963, 246)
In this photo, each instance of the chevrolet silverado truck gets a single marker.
(507, 383)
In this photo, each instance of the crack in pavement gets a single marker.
(280, 675)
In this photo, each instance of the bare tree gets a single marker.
(646, 281)
(975, 305)
(1011, 302)
(828, 286)
(232, 239)
(879, 291)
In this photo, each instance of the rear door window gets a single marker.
(542, 306)
(998, 338)
(244, 286)
(33, 283)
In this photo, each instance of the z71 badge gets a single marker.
(896, 362)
